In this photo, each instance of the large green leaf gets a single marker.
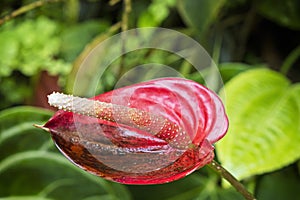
(31, 168)
(264, 115)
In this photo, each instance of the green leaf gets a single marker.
(200, 14)
(20, 114)
(31, 168)
(229, 70)
(151, 17)
(285, 13)
(264, 116)
(18, 122)
(283, 184)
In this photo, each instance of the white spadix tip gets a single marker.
(59, 100)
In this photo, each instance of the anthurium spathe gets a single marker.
(147, 133)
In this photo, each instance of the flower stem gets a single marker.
(231, 179)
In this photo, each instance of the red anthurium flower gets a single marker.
(148, 133)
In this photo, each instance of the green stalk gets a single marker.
(231, 179)
(290, 60)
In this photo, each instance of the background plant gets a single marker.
(256, 46)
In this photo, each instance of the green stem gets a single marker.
(124, 27)
(231, 179)
(125, 16)
(290, 60)
(25, 9)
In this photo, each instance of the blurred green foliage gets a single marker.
(22, 42)
(251, 42)
(284, 13)
(26, 49)
(150, 17)
(200, 21)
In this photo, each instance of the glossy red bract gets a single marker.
(194, 119)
